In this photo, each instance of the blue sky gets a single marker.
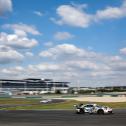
(78, 41)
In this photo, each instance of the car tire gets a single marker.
(110, 112)
(100, 112)
(90, 113)
(82, 111)
(77, 112)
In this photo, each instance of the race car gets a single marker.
(46, 101)
(92, 109)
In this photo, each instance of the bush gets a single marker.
(85, 91)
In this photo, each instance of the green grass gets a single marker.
(13, 101)
(35, 105)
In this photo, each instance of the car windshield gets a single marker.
(98, 106)
(105, 107)
(89, 106)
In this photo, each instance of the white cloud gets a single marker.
(73, 16)
(76, 16)
(47, 67)
(118, 66)
(8, 55)
(63, 36)
(83, 65)
(39, 71)
(66, 50)
(29, 54)
(19, 39)
(74, 57)
(38, 13)
(72, 64)
(109, 12)
(22, 29)
(101, 73)
(16, 41)
(123, 51)
(5, 6)
(112, 12)
(13, 71)
(115, 58)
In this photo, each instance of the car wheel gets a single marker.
(110, 112)
(91, 113)
(82, 111)
(77, 112)
(100, 112)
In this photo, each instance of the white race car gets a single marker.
(46, 101)
(92, 108)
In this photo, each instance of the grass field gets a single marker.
(12, 101)
(33, 104)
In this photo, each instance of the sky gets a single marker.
(79, 41)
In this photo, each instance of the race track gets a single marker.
(60, 118)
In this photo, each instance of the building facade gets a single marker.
(32, 84)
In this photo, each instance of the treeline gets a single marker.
(97, 91)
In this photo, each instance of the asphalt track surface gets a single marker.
(60, 118)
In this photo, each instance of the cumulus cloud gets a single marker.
(20, 42)
(118, 66)
(22, 29)
(13, 46)
(16, 72)
(66, 50)
(63, 35)
(112, 12)
(5, 6)
(38, 70)
(123, 51)
(74, 16)
(72, 64)
(82, 65)
(19, 38)
(46, 67)
(9, 55)
(82, 58)
(115, 58)
(29, 54)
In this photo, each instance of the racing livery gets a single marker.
(93, 108)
